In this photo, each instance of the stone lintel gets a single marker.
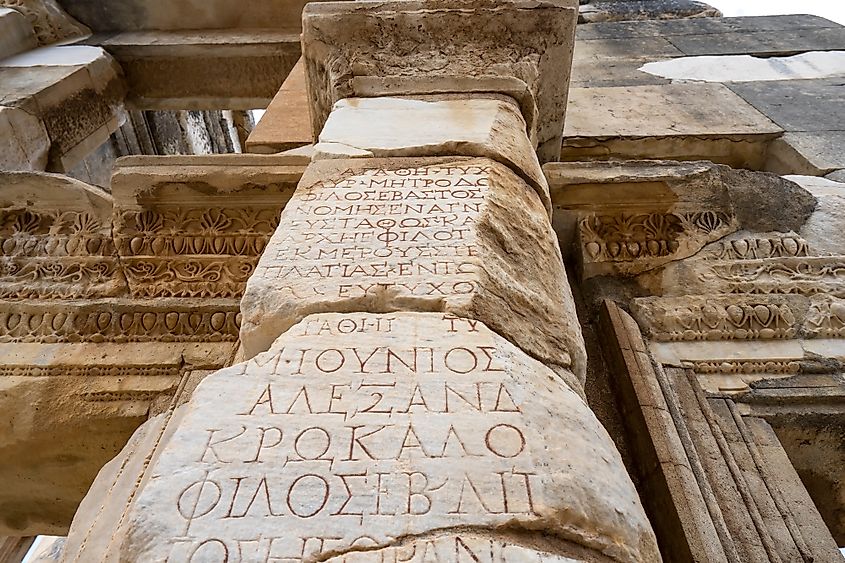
(203, 69)
(369, 48)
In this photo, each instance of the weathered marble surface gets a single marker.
(16, 33)
(483, 126)
(460, 235)
(24, 143)
(361, 430)
(76, 91)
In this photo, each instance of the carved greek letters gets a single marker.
(355, 429)
(402, 234)
(406, 230)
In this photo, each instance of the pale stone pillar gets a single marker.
(412, 389)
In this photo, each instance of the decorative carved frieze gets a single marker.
(745, 367)
(56, 239)
(826, 318)
(772, 245)
(196, 227)
(800, 275)
(718, 318)
(193, 252)
(120, 320)
(632, 243)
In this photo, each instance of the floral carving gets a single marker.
(826, 318)
(107, 321)
(746, 367)
(716, 319)
(802, 276)
(193, 252)
(625, 237)
(755, 248)
(57, 254)
(48, 20)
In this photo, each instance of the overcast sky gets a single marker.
(830, 9)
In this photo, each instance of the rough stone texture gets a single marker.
(100, 520)
(209, 69)
(491, 127)
(798, 105)
(323, 452)
(837, 176)
(464, 236)
(16, 33)
(49, 21)
(763, 43)
(699, 26)
(678, 121)
(24, 143)
(166, 15)
(83, 401)
(627, 10)
(476, 546)
(520, 49)
(76, 91)
(823, 229)
(616, 62)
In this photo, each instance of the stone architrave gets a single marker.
(360, 431)
(460, 235)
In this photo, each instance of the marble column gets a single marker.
(412, 383)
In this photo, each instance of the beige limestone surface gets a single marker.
(237, 69)
(24, 143)
(67, 408)
(489, 127)
(463, 235)
(361, 430)
(369, 49)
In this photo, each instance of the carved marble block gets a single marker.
(520, 49)
(363, 431)
(484, 126)
(460, 235)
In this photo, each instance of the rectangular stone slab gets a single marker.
(359, 430)
(797, 105)
(461, 235)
